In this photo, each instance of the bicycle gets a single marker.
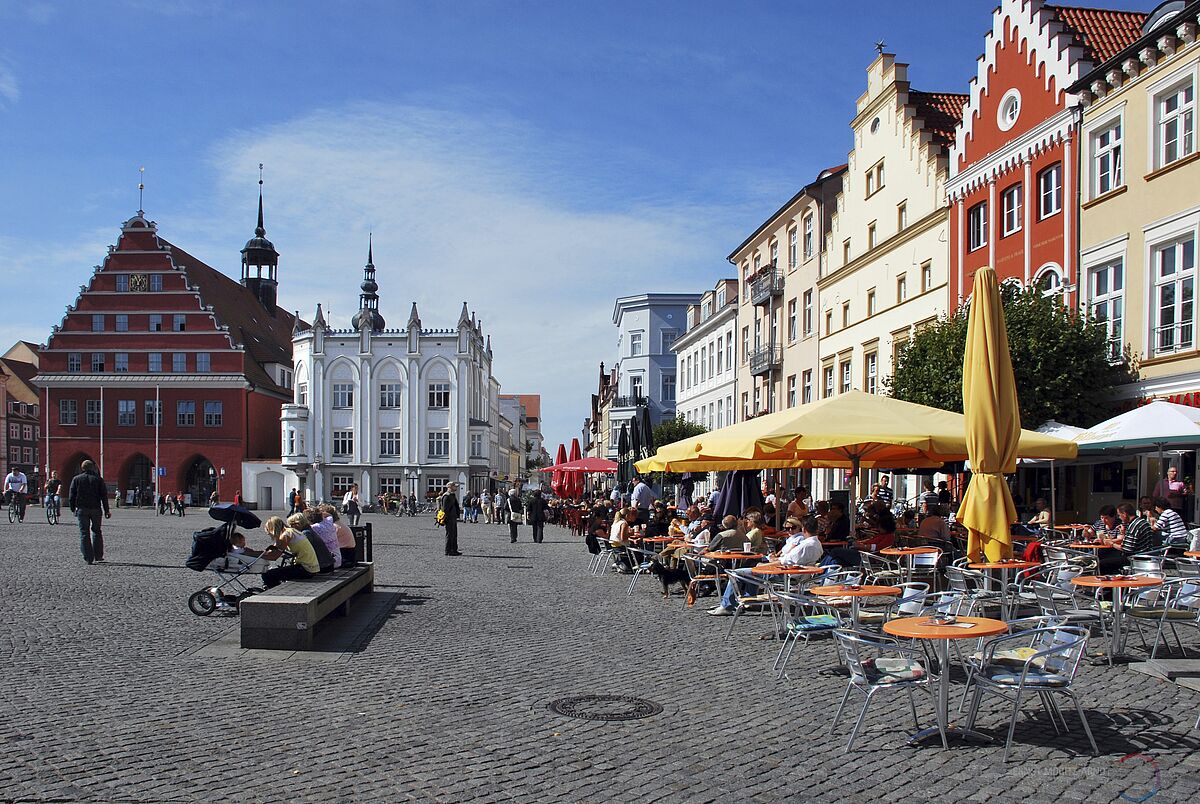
(52, 504)
(15, 514)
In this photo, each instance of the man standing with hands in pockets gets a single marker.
(87, 498)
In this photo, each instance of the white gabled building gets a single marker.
(396, 410)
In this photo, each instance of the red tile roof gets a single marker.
(941, 111)
(1102, 32)
(266, 338)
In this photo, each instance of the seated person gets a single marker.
(729, 537)
(803, 548)
(292, 541)
(326, 530)
(1042, 518)
(1108, 526)
(883, 536)
(237, 546)
(620, 536)
(754, 533)
(796, 508)
(303, 523)
(837, 527)
(822, 508)
(1136, 538)
(345, 536)
(1169, 524)
(675, 529)
(934, 525)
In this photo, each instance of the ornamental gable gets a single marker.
(1032, 54)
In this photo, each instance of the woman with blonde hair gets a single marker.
(290, 540)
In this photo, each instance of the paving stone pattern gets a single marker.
(112, 691)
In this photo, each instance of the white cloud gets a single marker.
(10, 90)
(463, 209)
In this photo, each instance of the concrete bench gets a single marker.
(286, 617)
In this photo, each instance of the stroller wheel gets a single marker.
(202, 603)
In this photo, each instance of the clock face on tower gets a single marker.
(139, 283)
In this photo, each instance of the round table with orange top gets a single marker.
(1192, 553)
(928, 628)
(855, 592)
(786, 571)
(1100, 545)
(736, 558)
(1003, 568)
(1118, 584)
(905, 554)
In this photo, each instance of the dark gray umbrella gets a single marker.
(624, 459)
(635, 438)
(647, 433)
(741, 490)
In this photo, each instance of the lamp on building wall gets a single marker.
(412, 475)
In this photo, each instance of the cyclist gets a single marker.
(16, 486)
(53, 497)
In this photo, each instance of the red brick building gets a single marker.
(1013, 181)
(22, 409)
(155, 329)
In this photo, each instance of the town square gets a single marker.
(665, 401)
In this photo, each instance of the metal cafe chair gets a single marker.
(879, 663)
(804, 617)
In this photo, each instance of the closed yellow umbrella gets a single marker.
(993, 424)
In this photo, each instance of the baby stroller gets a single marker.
(210, 551)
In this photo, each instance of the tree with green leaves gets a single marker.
(672, 430)
(1061, 362)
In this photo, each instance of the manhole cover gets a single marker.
(605, 707)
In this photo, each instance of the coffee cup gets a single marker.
(746, 547)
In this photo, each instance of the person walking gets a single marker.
(449, 506)
(87, 498)
(352, 505)
(485, 502)
(513, 512)
(535, 511)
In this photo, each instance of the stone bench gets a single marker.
(286, 617)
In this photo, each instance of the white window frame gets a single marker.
(341, 443)
(871, 377)
(1012, 203)
(635, 344)
(808, 313)
(438, 443)
(1172, 86)
(977, 226)
(1184, 336)
(391, 395)
(793, 250)
(342, 395)
(1107, 158)
(391, 443)
(438, 395)
(808, 236)
(806, 389)
(1050, 195)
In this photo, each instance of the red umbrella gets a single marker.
(575, 481)
(584, 466)
(556, 481)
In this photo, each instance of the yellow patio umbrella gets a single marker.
(993, 424)
(853, 430)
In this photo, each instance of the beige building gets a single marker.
(1140, 216)
(888, 240)
(778, 267)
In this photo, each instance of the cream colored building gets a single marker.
(778, 266)
(1140, 217)
(888, 241)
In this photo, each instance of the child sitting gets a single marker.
(292, 541)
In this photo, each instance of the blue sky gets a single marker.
(536, 159)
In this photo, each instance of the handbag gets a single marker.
(517, 518)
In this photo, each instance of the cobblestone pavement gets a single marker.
(108, 696)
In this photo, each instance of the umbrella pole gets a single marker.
(1053, 502)
(853, 512)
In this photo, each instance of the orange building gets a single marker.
(1013, 184)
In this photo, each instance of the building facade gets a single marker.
(169, 374)
(1013, 182)
(887, 265)
(705, 354)
(392, 410)
(22, 425)
(648, 325)
(778, 268)
(1141, 211)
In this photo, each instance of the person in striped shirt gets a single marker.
(1169, 523)
(1137, 538)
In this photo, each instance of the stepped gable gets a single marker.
(941, 112)
(1102, 32)
(263, 337)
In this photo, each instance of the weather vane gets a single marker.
(141, 189)
(260, 169)
(880, 45)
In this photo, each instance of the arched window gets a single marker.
(1049, 280)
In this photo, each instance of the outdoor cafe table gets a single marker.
(786, 571)
(855, 593)
(1071, 528)
(1003, 568)
(734, 557)
(926, 628)
(1118, 584)
(1191, 553)
(1100, 545)
(905, 554)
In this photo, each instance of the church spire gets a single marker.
(260, 260)
(368, 302)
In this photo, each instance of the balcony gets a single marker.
(633, 401)
(765, 359)
(766, 285)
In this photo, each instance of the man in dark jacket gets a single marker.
(86, 499)
(449, 505)
(535, 512)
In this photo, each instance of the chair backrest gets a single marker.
(873, 564)
(1061, 577)
(1182, 594)
(837, 576)
(912, 598)
(1187, 567)
(926, 561)
(1047, 597)
(1060, 648)
(942, 603)
(1143, 564)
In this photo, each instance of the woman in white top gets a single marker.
(619, 537)
(351, 505)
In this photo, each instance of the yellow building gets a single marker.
(1140, 216)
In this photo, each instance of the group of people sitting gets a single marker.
(316, 538)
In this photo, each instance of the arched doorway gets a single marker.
(71, 467)
(137, 475)
(199, 480)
